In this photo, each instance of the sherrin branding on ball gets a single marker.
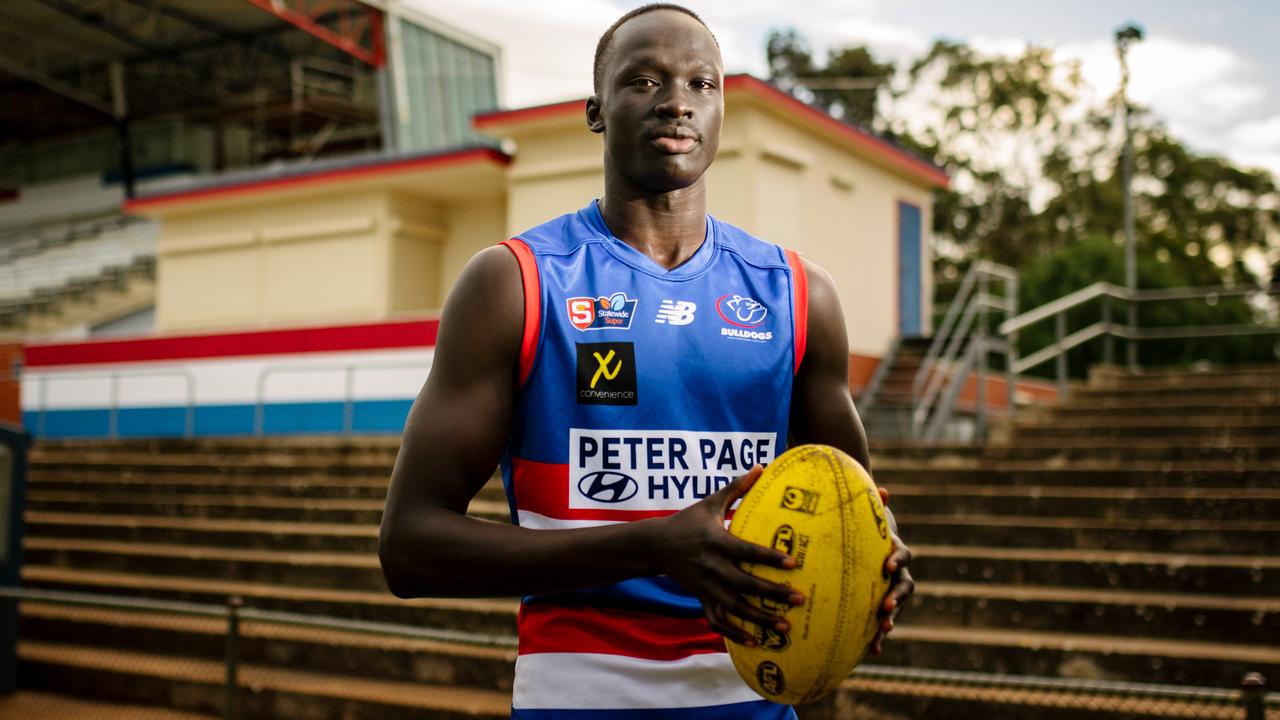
(820, 506)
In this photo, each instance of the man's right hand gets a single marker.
(698, 552)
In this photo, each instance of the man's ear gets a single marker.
(595, 119)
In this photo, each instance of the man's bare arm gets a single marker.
(454, 437)
(822, 411)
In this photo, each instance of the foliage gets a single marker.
(1036, 184)
(791, 65)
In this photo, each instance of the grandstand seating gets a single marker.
(61, 266)
(1130, 534)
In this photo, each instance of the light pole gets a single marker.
(1126, 36)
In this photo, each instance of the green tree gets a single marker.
(846, 86)
(1036, 184)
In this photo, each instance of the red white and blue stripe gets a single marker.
(322, 379)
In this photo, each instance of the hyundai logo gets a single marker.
(608, 487)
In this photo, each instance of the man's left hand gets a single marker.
(900, 585)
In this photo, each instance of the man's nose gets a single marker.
(674, 102)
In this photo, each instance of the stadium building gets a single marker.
(237, 217)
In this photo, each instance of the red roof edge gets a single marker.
(907, 162)
(526, 114)
(895, 155)
(304, 178)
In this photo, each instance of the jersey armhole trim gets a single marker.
(532, 305)
(800, 284)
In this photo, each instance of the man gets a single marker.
(625, 363)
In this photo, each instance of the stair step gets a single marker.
(48, 706)
(1116, 503)
(1099, 569)
(261, 534)
(486, 615)
(299, 569)
(1135, 477)
(893, 698)
(199, 685)
(120, 483)
(355, 654)
(1133, 659)
(1193, 536)
(326, 510)
(1114, 612)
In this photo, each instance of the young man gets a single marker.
(625, 363)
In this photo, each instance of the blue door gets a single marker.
(909, 301)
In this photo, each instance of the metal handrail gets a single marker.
(348, 396)
(113, 408)
(1064, 341)
(937, 379)
(934, 380)
(881, 372)
(958, 304)
(1062, 304)
(276, 617)
(234, 611)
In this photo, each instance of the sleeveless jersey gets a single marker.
(642, 391)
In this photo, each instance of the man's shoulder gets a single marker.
(754, 250)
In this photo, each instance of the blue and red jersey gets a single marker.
(643, 390)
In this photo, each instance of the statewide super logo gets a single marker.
(744, 317)
(603, 313)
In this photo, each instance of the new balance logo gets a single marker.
(675, 312)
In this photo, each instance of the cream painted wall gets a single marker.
(473, 226)
(840, 212)
(262, 262)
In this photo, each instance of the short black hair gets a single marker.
(606, 40)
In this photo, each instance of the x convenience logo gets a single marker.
(606, 373)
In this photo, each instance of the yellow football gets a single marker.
(820, 506)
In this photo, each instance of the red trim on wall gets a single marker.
(532, 304)
(380, 336)
(320, 177)
(801, 305)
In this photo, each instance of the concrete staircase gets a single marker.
(1132, 534)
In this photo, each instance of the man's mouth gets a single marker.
(674, 141)
(675, 146)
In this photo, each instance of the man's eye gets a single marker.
(703, 84)
(644, 82)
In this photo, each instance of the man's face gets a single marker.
(660, 104)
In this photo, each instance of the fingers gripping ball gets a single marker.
(820, 506)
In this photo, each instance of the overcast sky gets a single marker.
(1211, 70)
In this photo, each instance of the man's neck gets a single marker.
(668, 227)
